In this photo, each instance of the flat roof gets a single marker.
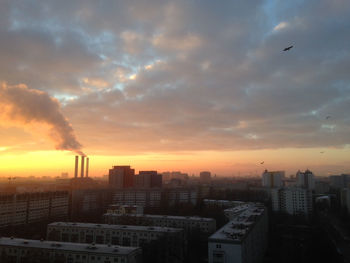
(223, 202)
(193, 218)
(67, 246)
(116, 227)
(235, 230)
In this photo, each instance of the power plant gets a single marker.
(81, 167)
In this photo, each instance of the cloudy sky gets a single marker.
(176, 85)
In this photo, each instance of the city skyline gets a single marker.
(185, 85)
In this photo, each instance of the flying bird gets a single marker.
(287, 48)
(328, 117)
(321, 152)
(262, 162)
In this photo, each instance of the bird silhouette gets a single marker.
(262, 162)
(287, 48)
(321, 152)
(328, 117)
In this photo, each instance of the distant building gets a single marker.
(153, 197)
(64, 175)
(86, 203)
(25, 250)
(188, 223)
(222, 203)
(140, 197)
(321, 187)
(205, 177)
(125, 210)
(184, 195)
(26, 208)
(345, 199)
(306, 180)
(148, 179)
(167, 176)
(340, 181)
(272, 179)
(292, 200)
(121, 177)
(168, 243)
(242, 239)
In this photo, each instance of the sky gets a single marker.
(175, 85)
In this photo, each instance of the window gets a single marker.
(218, 245)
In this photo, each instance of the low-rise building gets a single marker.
(125, 210)
(21, 250)
(188, 223)
(243, 238)
(166, 243)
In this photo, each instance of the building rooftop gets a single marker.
(238, 209)
(191, 218)
(67, 246)
(241, 223)
(223, 202)
(116, 227)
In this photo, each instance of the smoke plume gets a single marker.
(29, 106)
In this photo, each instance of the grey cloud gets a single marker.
(223, 81)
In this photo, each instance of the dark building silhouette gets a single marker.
(149, 179)
(121, 177)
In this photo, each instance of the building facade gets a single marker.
(87, 203)
(155, 197)
(125, 210)
(26, 208)
(148, 179)
(306, 180)
(345, 199)
(188, 223)
(205, 177)
(272, 179)
(121, 177)
(292, 200)
(24, 251)
(243, 239)
(166, 244)
(340, 181)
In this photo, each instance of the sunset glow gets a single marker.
(174, 85)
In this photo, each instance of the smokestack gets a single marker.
(87, 167)
(82, 166)
(76, 166)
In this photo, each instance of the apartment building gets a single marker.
(292, 200)
(222, 203)
(26, 208)
(306, 180)
(21, 250)
(243, 239)
(272, 179)
(154, 197)
(188, 223)
(166, 244)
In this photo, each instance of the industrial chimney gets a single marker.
(76, 166)
(82, 166)
(87, 167)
